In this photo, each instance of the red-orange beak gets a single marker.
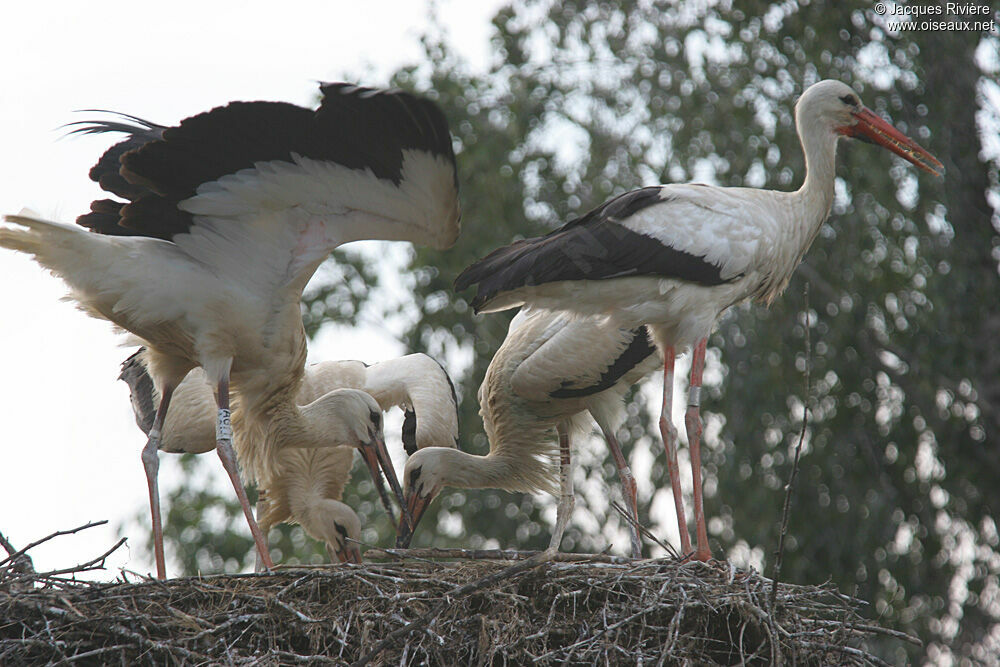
(874, 130)
(416, 505)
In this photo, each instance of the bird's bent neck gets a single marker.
(520, 475)
(815, 198)
(468, 471)
(419, 383)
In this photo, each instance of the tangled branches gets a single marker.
(419, 611)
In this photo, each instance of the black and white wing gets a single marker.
(575, 357)
(265, 190)
(662, 231)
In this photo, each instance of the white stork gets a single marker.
(551, 369)
(227, 217)
(304, 485)
(674, 257)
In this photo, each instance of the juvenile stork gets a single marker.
(550, 371)
(227, 216)
(304, 485)
(674, 257)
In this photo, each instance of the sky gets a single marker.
(69, 446)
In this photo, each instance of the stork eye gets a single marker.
(850, 100)
(342, 530)
(375, 417)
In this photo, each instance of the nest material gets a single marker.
(417, 611)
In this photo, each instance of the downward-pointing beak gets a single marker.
(376, 457)
(874, 130)
(351, 553)
(415, 508)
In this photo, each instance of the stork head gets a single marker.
(425, 474)
(836, 108)
(352, 417)
(342, 530)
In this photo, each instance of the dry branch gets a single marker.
(18, 573)
(488, 554)
(468, 611)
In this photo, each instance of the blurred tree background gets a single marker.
(901, 465)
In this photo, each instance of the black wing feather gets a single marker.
(595, 246)
(409, 432)
(637, 351)
(360, 128)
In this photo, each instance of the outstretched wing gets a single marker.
(273, 187)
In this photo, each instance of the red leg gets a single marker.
(669, 435)
(629, 490)
(224, 447)
(151, 462)
(692, 420)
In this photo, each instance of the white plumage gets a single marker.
(227, 217)
(674, 257)
(304, 485)
(550, 370)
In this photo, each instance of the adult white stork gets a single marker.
(227, 217)
(674, 257)
(304, 485)
(552, 368)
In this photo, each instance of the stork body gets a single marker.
(303, 484)
(227, 217)
(674, 257)
(550, 371)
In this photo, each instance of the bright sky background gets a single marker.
(69, 447)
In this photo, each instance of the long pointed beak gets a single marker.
(873, 129)
(415, 507)
(349, 554)
(372, 453)
(380, 458)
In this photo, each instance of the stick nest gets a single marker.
(418, 611)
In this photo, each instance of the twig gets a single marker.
(24, 560)
(644, 611)
(58, 533)
(795, 462)
(645, 532)
(5, 543)
(93, 564)
(96, 651)
(292, 610)
(491, 554)
(418, 623)
(850, 650)
(865, 627)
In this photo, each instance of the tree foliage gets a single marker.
(900, 469)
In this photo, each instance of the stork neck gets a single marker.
(468, 471)
(815, 197)
(419, 383)
(389, 382)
